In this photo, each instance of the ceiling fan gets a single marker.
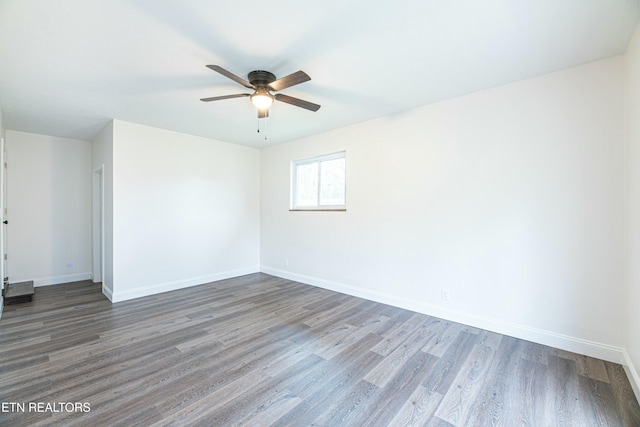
(263, 83)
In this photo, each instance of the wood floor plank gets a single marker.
(337, 314)
(592, 368)
(564, 392)
(448, 366)
(624, 398)
(247, 403)
(395, 360)
(489, 339)
(398, 390)
(269, 411)
(261, 350)
(531, 387)
(595, 402)
(398, 334)
(535, 352)
(496, 406)
(360, 401)
(355, 333)
(457, 405)
(450, 332)
(419, 408)
(320, 395)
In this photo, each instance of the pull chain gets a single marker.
(265, 127)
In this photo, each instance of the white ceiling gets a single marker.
(69, 66)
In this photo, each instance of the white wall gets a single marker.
(102, 157)
(511, 199)
(48, 200)
(185, 210)
(632, 137)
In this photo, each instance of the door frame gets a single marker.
(3, 217)
(97, 226)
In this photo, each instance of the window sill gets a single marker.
(318, 210)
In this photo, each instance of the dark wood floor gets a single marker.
(259, 350)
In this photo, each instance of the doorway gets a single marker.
(98, 225)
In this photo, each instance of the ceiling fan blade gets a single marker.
(290, 80)
(230, 75)
(218, 98)
(262, 113)
(297, 102)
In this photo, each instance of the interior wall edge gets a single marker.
(564, 342)
(143, 291)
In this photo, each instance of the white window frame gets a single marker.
(318, 206)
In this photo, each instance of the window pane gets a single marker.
(332, 186)
(318, 183)
(307, 185)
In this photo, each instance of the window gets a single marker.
(318, 183)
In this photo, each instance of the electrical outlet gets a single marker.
(286, 262)
(444, 294)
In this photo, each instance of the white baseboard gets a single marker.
(540, 336)
(158, 288)
(54, 280)
(107, 292)
(632, 374)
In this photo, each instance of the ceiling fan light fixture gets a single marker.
(263, 82)
(262, 99)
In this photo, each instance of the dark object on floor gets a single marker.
(18, 293)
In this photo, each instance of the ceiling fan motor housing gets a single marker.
(260, 78)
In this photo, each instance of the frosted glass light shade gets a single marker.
(262, 99)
